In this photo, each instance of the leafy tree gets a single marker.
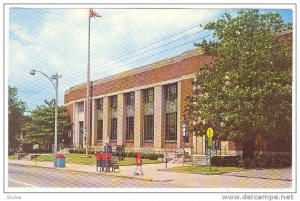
(16, 111)
(42, 128)
(247, 89)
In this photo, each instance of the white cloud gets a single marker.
(60, 45)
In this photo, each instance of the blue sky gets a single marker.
(55, 40)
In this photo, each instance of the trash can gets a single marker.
(60, 160)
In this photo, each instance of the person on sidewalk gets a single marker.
(98, 160)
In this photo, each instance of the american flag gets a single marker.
(93, 13)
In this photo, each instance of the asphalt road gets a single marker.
(26, 176)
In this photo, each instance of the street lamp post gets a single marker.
(54, 80)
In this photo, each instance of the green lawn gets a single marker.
(203, 169)
(12, 157)
(82, 159)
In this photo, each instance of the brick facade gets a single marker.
(180, 70)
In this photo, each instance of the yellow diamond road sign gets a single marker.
(210, 132)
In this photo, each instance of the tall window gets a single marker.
(114, 101)
(149, 114)
(171, 126)
(100, 130)
(130, 99)
(100, 119)
(148, 127)
(149, 95)
(129, 116)
(130, 128)
(171, 91)
(171, 112)
(100, 104)
(113, 129)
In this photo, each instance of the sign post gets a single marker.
(35, 147)
(210, 134)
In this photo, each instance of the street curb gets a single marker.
(259, 177)
(203, 173)
(224, 174)
(97, 173)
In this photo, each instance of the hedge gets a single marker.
(229, 161)
(264, 161)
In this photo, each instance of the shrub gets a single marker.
(153, 156)
(80, 150)
(71, 151)
(130, 154)
(268, 161)
(160, 155)
(144, 155)
(225, 160)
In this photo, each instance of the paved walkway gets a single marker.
(152, 173)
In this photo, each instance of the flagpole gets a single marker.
(92, 13)
(88, 90)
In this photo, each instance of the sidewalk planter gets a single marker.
(60, 160)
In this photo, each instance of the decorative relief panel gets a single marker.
(100, 114)
(148, 108)
(171, 106)
(80, 107)
(114, 112)
(130, 111)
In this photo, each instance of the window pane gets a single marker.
(113, 101)
(114, 129)
(148, 127)
(149, 95)
(100, 130)
(130, 128)
(171, 91)
(171, 126)
(100, 104)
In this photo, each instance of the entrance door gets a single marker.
(81, 134)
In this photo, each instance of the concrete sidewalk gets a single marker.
(150, 171)
(158, 172)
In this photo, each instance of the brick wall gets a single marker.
(164, 73)
(186, 90)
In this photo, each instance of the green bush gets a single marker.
(80, 150)
(130, 154)
(71, 151)
(160, 155)
(228, 161)
(144, 155)
(265, 161)
(152, 156)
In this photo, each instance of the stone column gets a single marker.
(138, 119)
(75, 123)
(158, 117)
(179, 116)
(121, 121)
(106, 119)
